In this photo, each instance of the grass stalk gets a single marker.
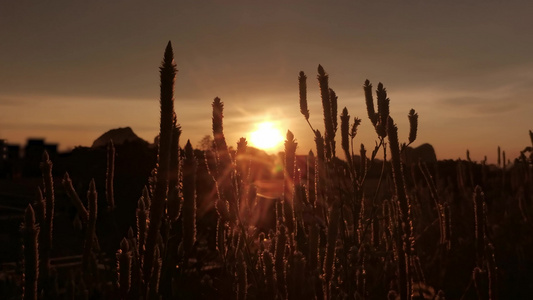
(30, 234)
(404, 244)
(369, 100)
(280, 262)
(326, 107)
(71, 192)
(90, 233)
(288, 182)
(110, 174)
(479, 217)
(48, 225)
(168, 77)
(124, 268)
(189, 199)
(174, 198)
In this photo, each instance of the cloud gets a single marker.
(479, 105)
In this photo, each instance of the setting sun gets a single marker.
(266, 136)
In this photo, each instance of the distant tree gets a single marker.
(205, 143)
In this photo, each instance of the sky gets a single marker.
(71, 70)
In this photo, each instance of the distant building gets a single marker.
(10, 162)
(13, 152)
(3, 158)
(3, 150)
(15, 163)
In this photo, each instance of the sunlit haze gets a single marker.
(73, 70)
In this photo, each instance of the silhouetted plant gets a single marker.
(404, 239)
(110, 174)
(288, 183)
(345, 142)
(413, 125)
(168, 77)
(90, 233)
(333, 228)
(76, 201)
(326, 95)
(174, 185)
(124, 268)
(31, 254)
(369, 100)
(189, 199)
(227, 199)
(302, 83)
(479, 209)
(47, 225)
(281, 244)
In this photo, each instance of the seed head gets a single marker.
(333, 104)
(383, 110)
(345, 124)
(413, 125)
(367, 87)
(302, 84)
(356, 123)
(218, 107)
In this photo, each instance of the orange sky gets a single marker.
(71, 71)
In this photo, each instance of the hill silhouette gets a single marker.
(119, 137)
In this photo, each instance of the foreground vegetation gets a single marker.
(415, 230)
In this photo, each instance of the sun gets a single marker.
(267, 136)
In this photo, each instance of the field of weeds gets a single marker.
(339, 223)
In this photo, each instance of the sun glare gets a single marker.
(267, 136)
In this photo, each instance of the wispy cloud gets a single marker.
(480, 105)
